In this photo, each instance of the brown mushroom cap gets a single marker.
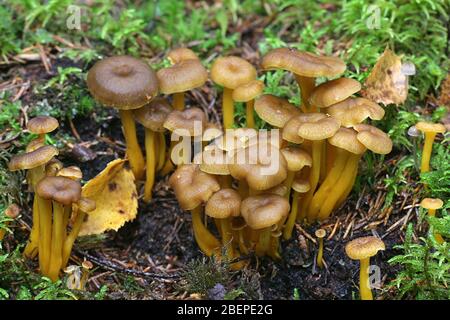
(52, 167)
(34, 145)
(280, 190)
(317, 126)
(192, 187)
(180, 54)
(238, 223)
(363, 248)
(264, 210)
(303, 63)
(42, 124)
(347, 139)
(334, 91)
(290, 130)
(275, 111)
(432, 203)
(320, 233)
(12, 211)
(184, 122)
(86, 205)
(430, 127)
(153, 114)
(32, 159)
(300, 184)
(232, 72)
(236, 139)
(212, 160)
(373, 138)
(296, 158)
(353, 111)
(248, 91)
(59, 189)
(122, 82)
(211, 131)
(72, 172)
(223, 204)
(182, 76)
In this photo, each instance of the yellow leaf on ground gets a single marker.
(114, 192)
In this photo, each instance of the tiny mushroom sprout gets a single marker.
(152, 116)
(305, 66)
(124, 83)
(320, 234)
(353, 111)
(433, 204)
(275, 111)
(334, 91)
(247, 93)
(41, 125)
(11, 213)
(180, 54)
(300, 185)
(430, 130)
(363, 249)
(231, 72)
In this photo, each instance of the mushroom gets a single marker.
(320, 234)
(230, 73)
(275, 111)
(72, 172)
(213, 160)
(334, 91)
(362, 249)
(430, 130)
(152, 117)
(433, 204)
(41, 125)
(247, 93)
(353, 111)
(11, 213)
(373, 138)
(296, 159)
(52, 167)
(124, 83)
(305, 66)
(177, 55)
(59, 193)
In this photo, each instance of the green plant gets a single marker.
(203, 274)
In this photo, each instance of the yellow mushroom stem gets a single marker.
(289, 226)
(178, 101)
(227, 108)
(313, 176)
(339, 188)
(331, 155)
(364, 287)
(328, 184)
(243, 188)
(320, 254)
(249, 107)
(58, 235)
(263, 244)
(150, 155)
(227, 237)
(225, 181)
(45, 234)
(437, 236)
(168, 165)
(288, 183)
(274, 248)
(427, 149)
(72, 236)
(241, 240)
(348, 189)
(306, 85)
(205, 239)
(323, 162)
(134, 153)
(161, 151)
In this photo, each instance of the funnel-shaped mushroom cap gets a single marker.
(34, 145)
(303, 63)
(32, 159)
(122, 82)
(232, 72)
(223, 204)
(248, 91)
(296, 158)
(353, 111)
(317, 126)
(72, 172)
(373, 138)
(290, 130)
(192, 187)
(182, 76)
(320, 233)
(180, 54)
(265, 210)
(262, 167)
(430, 127)
(333, 91)
(432, 203)
(189, 122)
(363, 248)
(212, 160)
(42, 124)
(59, 189)
(274, 110)
(347, 139)
(153, 114)
(280, 190)
(237, 139)
(300, 184)
(86, 205)
(52, 167)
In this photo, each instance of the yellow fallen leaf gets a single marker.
(387, 82)
(114, 192)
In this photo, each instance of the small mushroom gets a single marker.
(296, 159)
(11, 213)
(334, 91)
(72, 172)
(213, 160)
(373, 138)
(363, 249)
(41, 125)
(433, 204)
(275, 111)
(430, 130)
(353, 111)
(247, 93)
(177, 55)
(320, 234)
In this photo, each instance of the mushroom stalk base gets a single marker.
(150, 152)
(31, 249)
(289, 226)
(45, 234)
(320, 254)
(427, 149)
(306, 85)
(228, 108)
(58, 234)
(205, 240)
(263, 244)
(178, 101)
(313, 176)
(364, 286)
(249, 114)
(72, 236)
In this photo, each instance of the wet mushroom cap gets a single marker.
(275, 111)
(185, 123)
(86, 205)
(280, 190)
(373, 138)
(303, 63)
(317, 126)
(320, 233)
(347, 139)
(290, 131)
(180, 54)
(32, 159)
(59, 189)
(153, 114)
(34, 145)
(334, 91)
(122, 82)
(296, 158)
(42, 124)
(300, 184)
(236, 139)
(264, 210)
(363, 248)
(248, 91)
(212, 160)
(232, 72)
(182, 76)
(353, 111)
(223, 204)
(72, 172)
(430, 127)
(432, 203)
(52, 167)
